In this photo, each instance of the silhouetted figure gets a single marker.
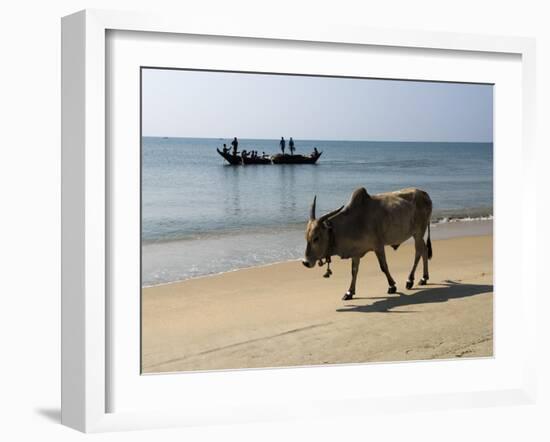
(225, 149)
(315, 152)
(291, 146)
(282, 144)
(244, 154)
(235, 144)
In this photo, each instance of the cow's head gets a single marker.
(317, 236)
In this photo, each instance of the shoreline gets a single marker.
(283, 315)
(209, 275)
(445, 230)
(220, 234)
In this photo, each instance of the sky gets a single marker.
(179, 103)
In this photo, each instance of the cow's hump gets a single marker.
(359, 197)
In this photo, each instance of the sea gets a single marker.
(201, 216)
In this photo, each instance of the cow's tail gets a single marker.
(429, 242)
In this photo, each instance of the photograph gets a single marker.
(292, 220)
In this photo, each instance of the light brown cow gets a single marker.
(368, 223)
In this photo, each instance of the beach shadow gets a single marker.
(374, 297)
(450, 290)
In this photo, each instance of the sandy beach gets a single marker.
(286, 315)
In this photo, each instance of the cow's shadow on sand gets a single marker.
(420, 295)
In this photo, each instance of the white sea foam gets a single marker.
(444, 220)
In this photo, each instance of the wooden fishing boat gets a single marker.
(236, 160)
(295, 159)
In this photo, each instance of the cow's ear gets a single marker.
(327, 224)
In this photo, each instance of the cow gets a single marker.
(369, 223)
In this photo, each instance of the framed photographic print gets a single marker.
(277, 223)
(224, 219)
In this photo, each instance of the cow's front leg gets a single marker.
(354, 270)
(381, 255)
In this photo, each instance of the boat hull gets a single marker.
(234, 160)
(295, 159)
(257, 160)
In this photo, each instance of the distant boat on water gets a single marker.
(236, 160)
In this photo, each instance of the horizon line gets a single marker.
(325, 139)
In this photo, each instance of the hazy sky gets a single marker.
(224, 105)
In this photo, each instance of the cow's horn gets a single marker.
(312, 210)
(328, 215)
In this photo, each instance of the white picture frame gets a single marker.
(86, 205)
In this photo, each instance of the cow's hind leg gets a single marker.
(381, 255)
(419, 246)
(425, 273)
(354, 270)
(426, 250)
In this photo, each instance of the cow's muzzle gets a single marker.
(307, 264)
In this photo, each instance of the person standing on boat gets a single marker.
(291, 146)
(225, 149)
(235, 144)
(282, 144)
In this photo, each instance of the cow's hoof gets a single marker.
(392, 290)
(409, 285)
(347, 296)
(423, 281)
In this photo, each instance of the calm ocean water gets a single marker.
(200, 216)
